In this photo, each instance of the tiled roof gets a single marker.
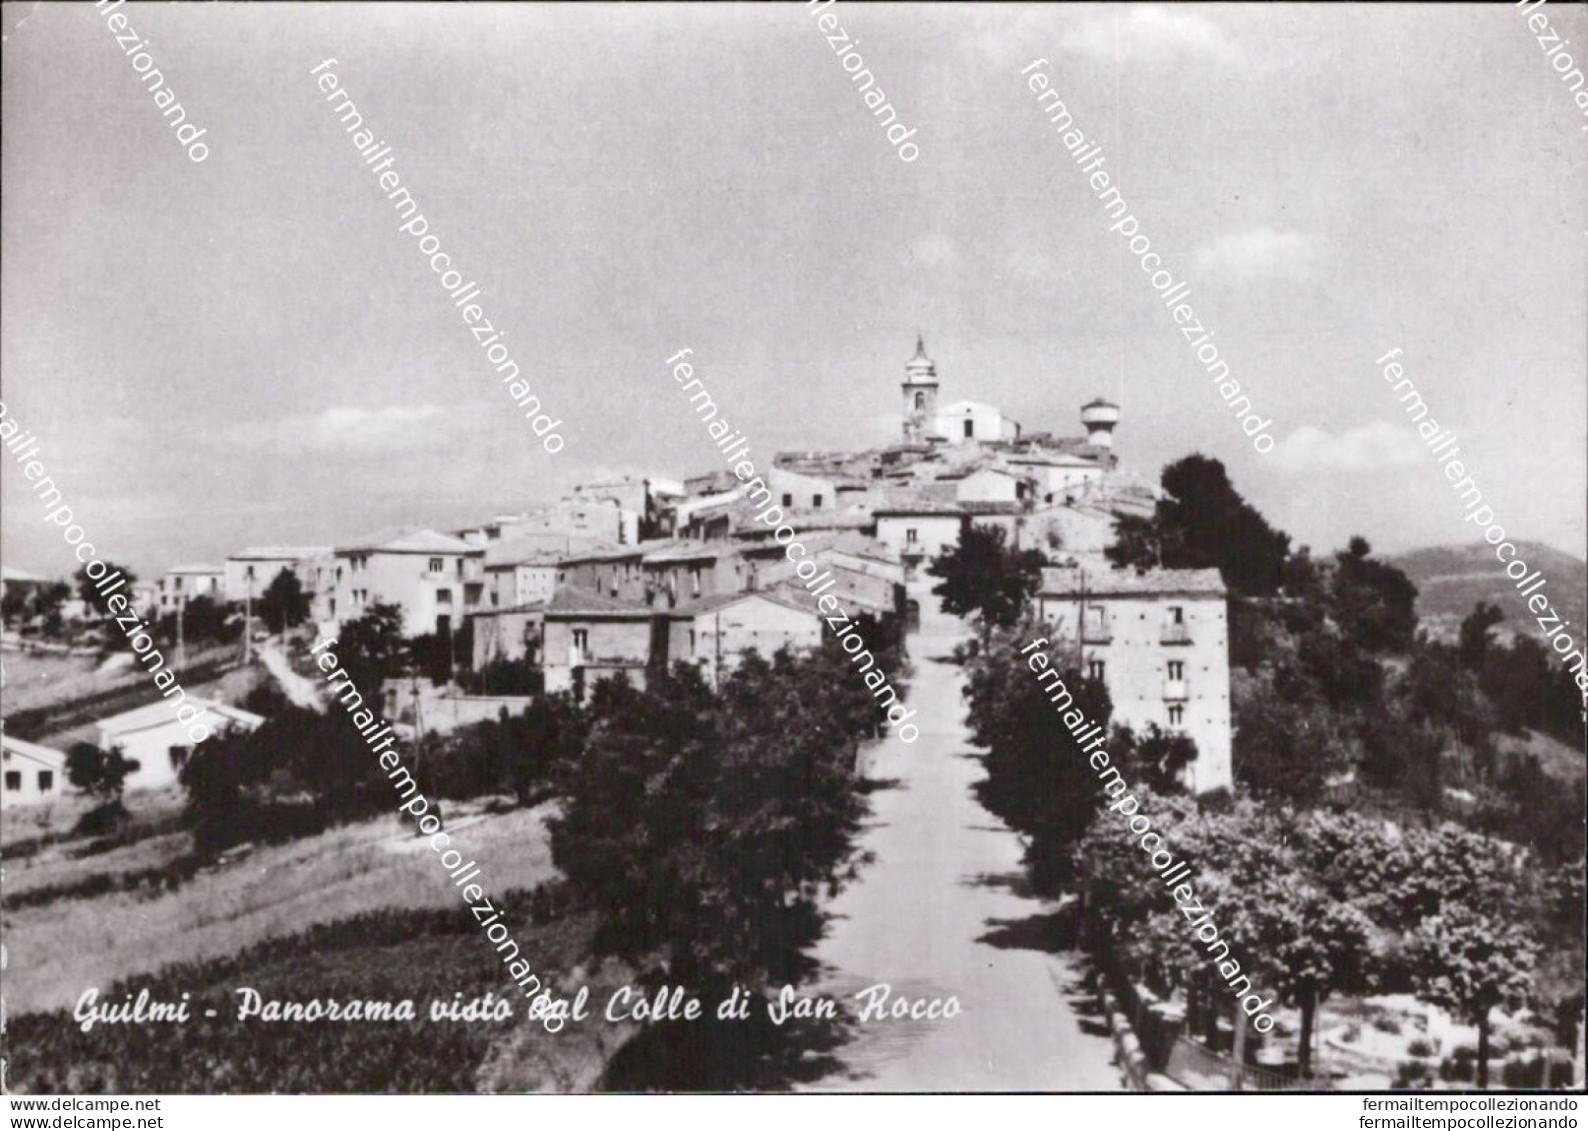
(573, 601)
(159, 712)
(618, 553)
(1067, 581)
(411, 541)
(722, 600)
(276, 553)
(685, 551)
(44, 755)
(921, 507)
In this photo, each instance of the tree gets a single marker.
(372, 647)
(1470, 961)
(1038, 776)
(1156, 757)
(1202, 522)
(981, 574)
(14, 604)
(102, 774)
(1375, 604)
(703, 828)
(1307, 945)
(85, 584)
(284, 604)
(1477, 636)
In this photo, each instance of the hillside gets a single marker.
(1450, 580)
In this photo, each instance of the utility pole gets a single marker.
(181, 643)
(1240, 1048)
(248, 622)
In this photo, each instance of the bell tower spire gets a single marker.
(920, 395)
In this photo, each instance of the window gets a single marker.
(46, 781)
(179, 756)
(1176, 614)
(249, 573)
(691, 642)
(1176, 714)
(788, 500)
(1177, 670)
(1094, 669)
(581, 640)
(970, 429)
(920, 402)
(816, 502)
(911, 536)
(437, 565)
(13, 779)
(694, 580)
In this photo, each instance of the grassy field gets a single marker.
(58, 949)
(419, 955)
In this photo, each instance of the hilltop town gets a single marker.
(622, 577)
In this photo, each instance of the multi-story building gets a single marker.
(615, 572)
(435, 578)
(686, 571)
(915, 533)
(716, 632)
(588, 636)
(181, 584)
(1159, 640)
(249, 572)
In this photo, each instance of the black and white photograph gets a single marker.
(806, 547)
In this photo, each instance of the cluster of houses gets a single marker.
(621, 576)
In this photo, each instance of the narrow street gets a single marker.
(943, 911)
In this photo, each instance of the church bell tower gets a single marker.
(920, 395)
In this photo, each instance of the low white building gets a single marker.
(158, 741)
(1159, 640)
(30, 774)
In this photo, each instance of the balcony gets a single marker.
(1097, 634)
(1175, 634)
(1174, 690)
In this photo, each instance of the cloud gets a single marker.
(344, 428)
(1152, 34)
(1263, 254)
(1377, 445)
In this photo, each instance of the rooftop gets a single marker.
(717, 601)
(411, 541)
(572, 601)
(1077, 581)
(278, 553)
(157, 713)
(44, 755)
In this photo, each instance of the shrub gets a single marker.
(1412, 1074)
(1421, 1046)
(1529, 1073)
(1384, 1023)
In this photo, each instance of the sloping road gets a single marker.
(942, 911)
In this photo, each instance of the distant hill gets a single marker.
(1450, 580)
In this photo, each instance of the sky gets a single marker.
(247, 351)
